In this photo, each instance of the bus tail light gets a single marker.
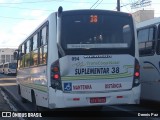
(76, 99)
(136, 80)
(119, 96)
(136, 74)
(55, 76)
(55, 69)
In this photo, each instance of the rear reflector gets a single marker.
(119, 96)
(76, 99)
(55, 69)
(56, 76)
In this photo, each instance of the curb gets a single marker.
(14, 99)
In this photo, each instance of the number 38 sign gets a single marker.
(93, 18)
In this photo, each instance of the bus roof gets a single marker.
(71, 12)
(148, 22)
(91, 11)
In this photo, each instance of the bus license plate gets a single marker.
(98, 100)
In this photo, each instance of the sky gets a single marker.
(18, 18)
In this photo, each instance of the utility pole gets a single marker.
(118, 5)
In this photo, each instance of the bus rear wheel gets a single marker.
(34, 104)
(23, 100)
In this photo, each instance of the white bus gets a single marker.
(1, 68)
(9, 68)
(149, 50)
(80, 58)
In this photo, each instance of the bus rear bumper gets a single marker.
(67, 100)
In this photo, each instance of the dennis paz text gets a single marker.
(148, 114)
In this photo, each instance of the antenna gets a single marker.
(140, 4)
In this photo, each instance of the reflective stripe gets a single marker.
(93, 77)
(36, 86)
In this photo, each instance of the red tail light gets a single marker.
(136, 74)
(55, 69)
(55, 76)
(136, 78)
(137, 66)
(137, 69)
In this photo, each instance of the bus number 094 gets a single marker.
(75, 58)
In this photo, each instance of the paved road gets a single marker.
(5, 107)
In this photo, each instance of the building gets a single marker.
(143, 15)
(6, 55)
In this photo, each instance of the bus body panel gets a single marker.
(38, 78)
(96, 72)
(64, 100)
(41, 96)
(52, 44)
(78, 88)
(34, 79)
(150, 77)
(136, 41)
(150, 65)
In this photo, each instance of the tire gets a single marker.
(35, 107)
(34, 101)
(23, 100)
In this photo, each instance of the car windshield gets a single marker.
(12, 65)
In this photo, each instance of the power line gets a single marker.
(124, 5)
(99, 3)
(94, 4)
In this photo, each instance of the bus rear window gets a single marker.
(96, 31)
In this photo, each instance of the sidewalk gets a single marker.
(4, 107)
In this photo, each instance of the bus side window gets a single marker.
(146, 38)
(34, 58)
(43, 47)
(27, 55)
(45, 55)
(44, 35)
(22, 54)
(34, 52)
(158, 41)
(20, 57)
(35, 41)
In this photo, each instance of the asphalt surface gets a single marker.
(5, 107)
